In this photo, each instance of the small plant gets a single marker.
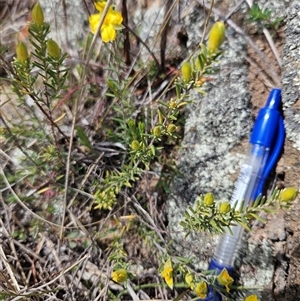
(264, 17)
(208, 215)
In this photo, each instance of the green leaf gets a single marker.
(83, 137)
(262, 220)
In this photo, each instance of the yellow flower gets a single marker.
(167, 273)
(201, 290)
(252, 298)
(208, 199)
(225, 207)
(119, 275)
(111, 23)
(225, 279)
(216, 37)
(288, 194)
(189, 280)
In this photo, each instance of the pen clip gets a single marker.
(273, 157)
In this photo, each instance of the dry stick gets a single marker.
(76, 105)
(206, 22)
(9, 270)
(272, 45)
(268, 69)
(163, 40)
(234, 10)
(126, 34)
(11, 244)
(144, 44)
(269, 39)
(166, 21)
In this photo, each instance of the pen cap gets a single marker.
(266, 125)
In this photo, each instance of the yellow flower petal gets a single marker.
(201, 290)
(119, 275)
(100, 6)
(108, 33)
(94, 21)
(225, 279)
(252, 298)
(167, 273)
(114, 17)
(112, 22)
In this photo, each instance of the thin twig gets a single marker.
(9, 270)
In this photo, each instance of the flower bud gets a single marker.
(225, 207)
(252, 298)
(225, 279)
(189, 280)
(38, 15)
(53, 49)
(22, 52)
(157, 131)
(135, 145)
(172, 104)
(208, 199)
(201, 290)
(216, 37)
(288, 194)
(171, 128)
(119, 275)
(186, 71)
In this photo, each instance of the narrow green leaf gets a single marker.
(262, 220)
(83, 137)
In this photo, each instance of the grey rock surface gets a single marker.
(291, 74)
(67, 19)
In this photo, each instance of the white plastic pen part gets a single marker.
(245, 188)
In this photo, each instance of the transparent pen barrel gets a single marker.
(245, 189)
(228, 246)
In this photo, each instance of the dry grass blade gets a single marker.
(9, 271)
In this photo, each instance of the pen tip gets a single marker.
(274, 100)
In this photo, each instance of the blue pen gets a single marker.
(266, 143)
